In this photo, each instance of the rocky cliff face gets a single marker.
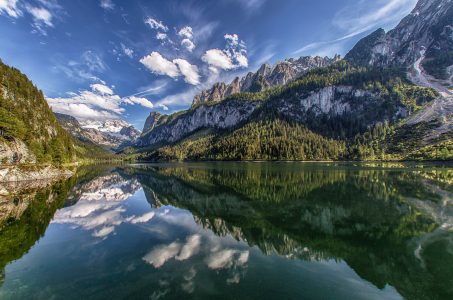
(24, 173)
(428, 26)
(151, 121)
(15, 152)
(266, 76)
(332, 100)
(222, 115)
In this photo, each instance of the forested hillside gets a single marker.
(28, 125)
(25, 115)
(369, 130)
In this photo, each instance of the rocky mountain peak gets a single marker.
(265, 77)
(425, 28)
(151, 121)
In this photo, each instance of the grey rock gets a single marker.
(427, 27)
(151, 121)
(15, 152)
(281, 73)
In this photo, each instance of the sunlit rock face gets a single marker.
(222, 116)
(332, 100)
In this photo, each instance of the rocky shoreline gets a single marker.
(34, 172)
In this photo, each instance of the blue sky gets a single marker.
(108, 59)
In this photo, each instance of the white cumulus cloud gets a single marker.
(156, 25)
(217, 58)
(186, 32)
(142, 101)
(189, 71)
(161, 254)
(188, 44)
(232, 40)
(233, 56)
(161, 66)
(99, 104)
(101, 88)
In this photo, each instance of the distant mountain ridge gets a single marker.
(266, 77)
(108, 134)
(114, 128)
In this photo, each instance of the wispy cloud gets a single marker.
(363, 16)
(9, 7)
(154, 24)
(251, 5)
(81, 69)
(366, 15)
(127, 51)
(107, 4)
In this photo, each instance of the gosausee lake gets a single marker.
(231, 231)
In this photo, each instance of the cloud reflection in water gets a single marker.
(101, 207)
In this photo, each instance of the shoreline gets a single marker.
(33, 172)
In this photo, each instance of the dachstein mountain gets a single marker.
(114, 128)
(266, 77)
(377, 104)
(109, 135)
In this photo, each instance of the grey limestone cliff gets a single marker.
(222, 115)
(332, 100)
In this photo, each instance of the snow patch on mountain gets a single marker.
(114, 128)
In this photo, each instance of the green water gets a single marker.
(231, 231)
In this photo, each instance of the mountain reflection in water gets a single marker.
(168, 230)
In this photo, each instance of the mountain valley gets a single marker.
(388, 99)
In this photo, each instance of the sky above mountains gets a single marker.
(109, 59)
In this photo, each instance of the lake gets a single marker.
(231, 231)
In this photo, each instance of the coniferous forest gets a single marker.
(25, 115)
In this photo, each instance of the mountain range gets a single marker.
(390, 98)
(108, 135)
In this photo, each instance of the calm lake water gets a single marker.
(231, 231)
